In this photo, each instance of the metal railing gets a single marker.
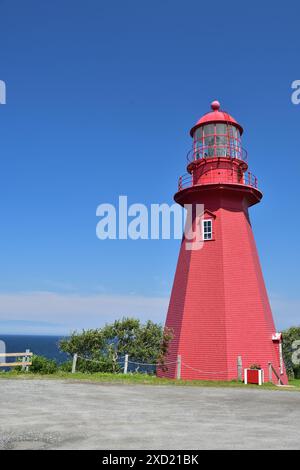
(217, 151)
(248, 179)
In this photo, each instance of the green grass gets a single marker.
(136, 379)
(295, 382)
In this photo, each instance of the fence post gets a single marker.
(74, 363)
(24, 360)
(270, 372)
(126, 364)
(27, 360)
(178, 372)
(239, 368)
(23, 363)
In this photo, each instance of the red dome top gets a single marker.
(216, 115)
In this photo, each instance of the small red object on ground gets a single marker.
(254, 376)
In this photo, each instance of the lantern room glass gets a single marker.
(217, 140)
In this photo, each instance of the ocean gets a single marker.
(41, 345)
(47, 346)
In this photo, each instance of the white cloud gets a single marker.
(59, 313)
(69, 311)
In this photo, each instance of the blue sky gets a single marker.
(100, 99)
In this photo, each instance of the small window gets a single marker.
(207, 229)
(209, 129)
(199, 134)
(221, 129)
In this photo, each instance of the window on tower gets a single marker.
(207, 229)
(221, 140)
(209, 140)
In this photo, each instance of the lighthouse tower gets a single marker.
(219, 309)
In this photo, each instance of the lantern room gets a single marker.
(217, 134)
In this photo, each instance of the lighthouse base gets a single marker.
(219, 309)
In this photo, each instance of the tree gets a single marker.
(291, 351)
(104, 348)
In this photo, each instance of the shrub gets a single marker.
(65, 366)
(42, 365)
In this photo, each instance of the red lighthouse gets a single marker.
(219, 309)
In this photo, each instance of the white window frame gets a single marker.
(211, 229)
